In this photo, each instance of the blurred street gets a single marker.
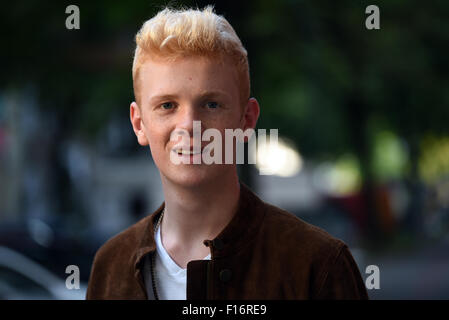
(418, 273)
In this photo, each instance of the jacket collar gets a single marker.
(238, 233)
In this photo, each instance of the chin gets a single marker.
(191, 176)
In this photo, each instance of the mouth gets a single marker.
(189, 155)
(186, 152)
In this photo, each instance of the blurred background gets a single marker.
(363, 134)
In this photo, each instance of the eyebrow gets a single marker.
(162, 97)
(203, 95)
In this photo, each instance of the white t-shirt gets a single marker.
(171, 279)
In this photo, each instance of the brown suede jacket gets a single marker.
(263, 253)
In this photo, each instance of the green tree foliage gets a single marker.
(321, 77)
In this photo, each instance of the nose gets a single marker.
(185, 118)
(185, 128)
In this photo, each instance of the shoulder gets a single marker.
(297, 233)
(124, 243)
(112, 271)
(298, 244)
(279, 225)
(309, 252)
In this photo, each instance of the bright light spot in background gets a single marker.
(40, 232)
(434, 160)
(339, 178)
(390, 156)
(281, 159)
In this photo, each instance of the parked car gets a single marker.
(49, 245)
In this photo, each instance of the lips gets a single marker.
(188, 150)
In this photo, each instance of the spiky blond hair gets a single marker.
(175, 33)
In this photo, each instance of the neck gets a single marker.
(194, 214)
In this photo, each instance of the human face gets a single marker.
(172, 94)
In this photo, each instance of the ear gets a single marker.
(251, 114)
(138, 124)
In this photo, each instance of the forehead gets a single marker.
(188, 75)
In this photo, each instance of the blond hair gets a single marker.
(176, 33)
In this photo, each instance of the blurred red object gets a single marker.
(356, 205)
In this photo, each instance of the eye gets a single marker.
(212, 105)
(167, 105)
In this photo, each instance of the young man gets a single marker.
(212, 237)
